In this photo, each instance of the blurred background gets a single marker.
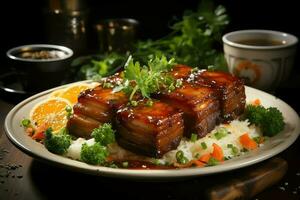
(27, 22)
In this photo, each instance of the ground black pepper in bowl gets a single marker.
(40, 66)
(42, 54)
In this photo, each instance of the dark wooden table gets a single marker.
(22, 177)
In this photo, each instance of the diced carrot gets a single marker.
(199, 163)
(247, 142)
(256, 102)
(38, 136)
(41, 128)
(217, 152)
(29, 131)
(205, 158)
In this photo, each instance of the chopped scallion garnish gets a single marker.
(194, 137)
(203, 145)
(125, 164)
(26, 123)
(181, 158)
(221, 132)
(212, 161)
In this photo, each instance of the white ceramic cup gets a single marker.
(262, 66)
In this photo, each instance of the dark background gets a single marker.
(25, 22)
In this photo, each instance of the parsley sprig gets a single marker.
(147, 79)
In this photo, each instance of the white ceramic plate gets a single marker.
(270, 148)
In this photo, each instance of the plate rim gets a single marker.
(144, 174)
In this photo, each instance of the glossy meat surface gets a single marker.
(231, 90)
(96, 106)
(181, 71)
(199, 104)
(151, 130)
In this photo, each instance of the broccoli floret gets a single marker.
(93, 154)
(57, 143)
(255, 114)
(104, 134)
(270, 120)
(273, 122)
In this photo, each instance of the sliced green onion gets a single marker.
(181, 158)
(258, 139)
(197, 155)
(107, 85)
(149, 103)
(171, 87)
(234, 150)
(178, 83)
(212, 161)
(156, 162)
(125, 164)
(194, 137)
(222, 132)
(68, 109)
(26, 123)
(203, 145)
(134, 103)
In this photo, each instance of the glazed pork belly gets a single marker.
(181, 71)
(231, 90)
(200, 105)
(95, 107)
(149, 130)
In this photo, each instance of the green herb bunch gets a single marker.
(195, 40)
(97, 66)
(147, 79)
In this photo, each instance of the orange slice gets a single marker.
(72, 92)
(56, 93)
(50, 113)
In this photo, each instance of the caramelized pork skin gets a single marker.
(150, 130)
(200, 106)
(96, 106)
(230, 89)
(181, 71)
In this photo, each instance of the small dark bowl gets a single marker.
(40, 66)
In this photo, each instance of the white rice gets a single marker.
(75, 148)
(190, 149)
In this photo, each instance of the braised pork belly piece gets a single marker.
(230, 88)
(95, 107)
(200, 106)
(149, 130)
